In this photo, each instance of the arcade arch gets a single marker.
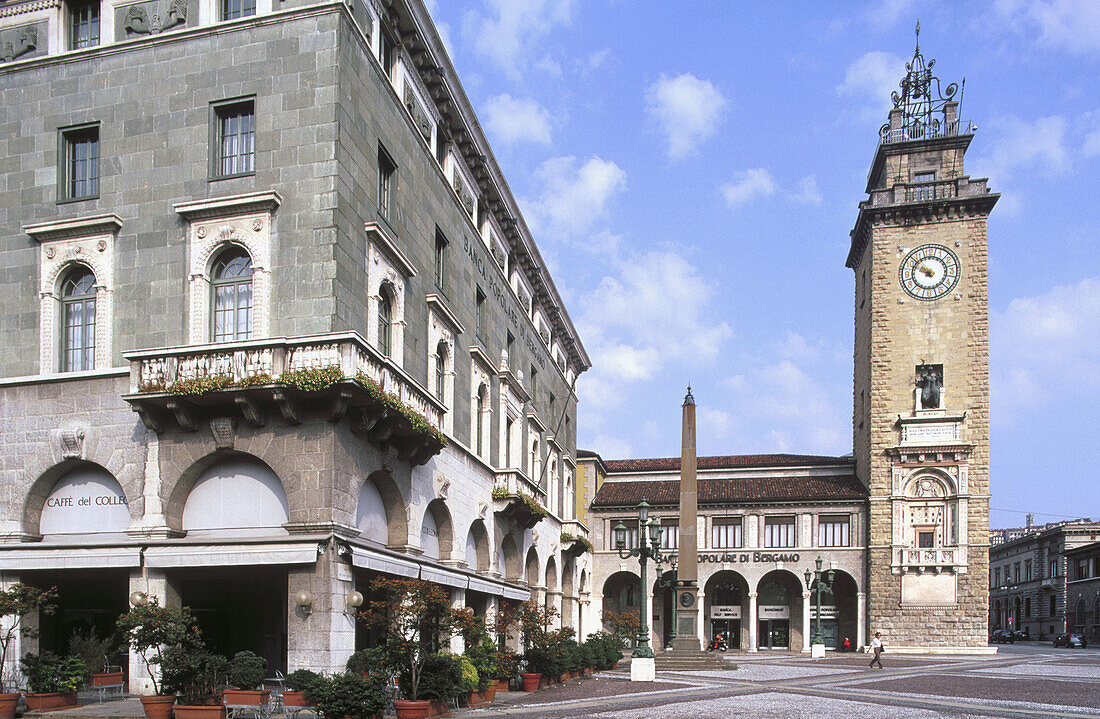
(725, 608)
(380, 511)
(436, 531)
(477, 547)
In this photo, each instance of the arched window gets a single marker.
(232, 286)
(385, 321)
(479, 440)
(78, 320)
(440, 370)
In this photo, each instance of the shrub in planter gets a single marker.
(195, 674)
(440, 679)
(350, 695)
(53, 680)
(507, 666)
(368, 661)
(303, 688)
(246, 672)
(483, 658)
(91, 650)
(149, 629)
(469, 680)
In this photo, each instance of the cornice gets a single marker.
(436, 303)
(380, 236)
(229, 206)
(25, 8)
(79, 227)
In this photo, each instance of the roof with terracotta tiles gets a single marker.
(731, 461)
(733, 490)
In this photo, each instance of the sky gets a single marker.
(691, 172)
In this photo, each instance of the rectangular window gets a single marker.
(1053, 568)
(919, 177)
(833, 531)
(440, 259)
(926, 539)
(387, 182)
(83, 24)
(1016, 573)
(233, 9)
(670, 535)
(508, 423)
(1027, 571)
(479, 311)
(997, 577)
(80, 163)
(509, 345)
(779, 532)
(725, 533)
(386, 53)
(534, 381)
(234, 152)
(441, 147)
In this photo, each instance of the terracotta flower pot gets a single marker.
(409, 709)
(8, 702)
(51, 701)
(480, 698)
(107, 679)
(216, 711)
(158, 707)
(531, 682)
(247, 697)
(564, 677)
(501, 685)
(294, 699)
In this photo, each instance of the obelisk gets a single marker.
(687, 570)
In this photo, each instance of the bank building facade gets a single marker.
(902, 522)
(273, 326)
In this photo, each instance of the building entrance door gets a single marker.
(730, 629)
(775, 634)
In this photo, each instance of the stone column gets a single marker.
(701, 630)
(458, 601)
(321, 636)
(689, 617)
(752, 622)
(155, 585)
(861, 629)
(805, 622)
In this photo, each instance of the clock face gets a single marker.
(929, 272)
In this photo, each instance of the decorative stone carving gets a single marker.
(26, 41)
(136, 20)
(223, 431)
(72, 443)
(930, 381)
(423, 124)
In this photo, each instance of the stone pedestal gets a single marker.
(642, 669)
(817, 651)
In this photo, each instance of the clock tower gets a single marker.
(921, 389)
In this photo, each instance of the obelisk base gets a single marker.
(642, 669)
(817, 651)
(687, 631)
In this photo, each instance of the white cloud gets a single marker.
(1046, 347)
(870, 79)
(808, 191)
(510, 120)
(508, 33)
(886, 13)
(573, 197)
(1091, 148)
(612, 447)
(687, 110)
(1071, 25)
(748, 185)
(1022, 145)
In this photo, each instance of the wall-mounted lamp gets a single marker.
(355, 600)
(304, 600)
(139, 599)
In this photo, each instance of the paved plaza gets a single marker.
(1020, 681)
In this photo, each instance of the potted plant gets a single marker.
(94, 651)
(411, 614)
(350, 695)
(53, 681)
(197, 676)
(506, 669)
(482, 656)
(149, 629)
(440, 679)
(15, 604)
(246, 673)
(302, 688)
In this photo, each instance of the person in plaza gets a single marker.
(876, 647)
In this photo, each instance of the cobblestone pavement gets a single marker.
(1031, 682)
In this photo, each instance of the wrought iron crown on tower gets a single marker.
(927, 110)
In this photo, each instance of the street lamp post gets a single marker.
(649, 547)
(670, 581)
(816, 581)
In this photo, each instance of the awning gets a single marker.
(382, 563)
(443, 576)
(480, 585)
(228, 555)
(512, 593)
(70, 558)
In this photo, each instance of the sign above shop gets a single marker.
(725, 612)
(767, 611)
(85, 502)
(826, 612)
(747, 557)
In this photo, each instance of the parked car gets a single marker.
(1019, 636)
(1002, 636)
(1070, 639)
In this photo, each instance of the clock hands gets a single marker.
(927, 271)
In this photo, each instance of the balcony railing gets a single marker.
(575, 528)
(928, 191)
(930, 559)
(924, 131)
(273, 357)
(512, 481)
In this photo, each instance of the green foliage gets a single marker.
(91, 650)
(255, 380)
(312, 380)
(507, 666)
(15, 604)
(310, 684)
(47, 673)
(441, 678)
(567, 538)
(500, 493)
(247, 670)
(469, 679)
(532, 506)
(201, 385)
(483, 657)
(367, 661)
(350, 695)
(197, 675)
(150, 628)
(417, 421)
(605, 649)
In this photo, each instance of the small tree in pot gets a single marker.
(149, 629)
(198, 677)
(94, 651)
(412, 614)
(246, 673)
(303, 688)
(15, 604)
(53, 681)
(351, 695)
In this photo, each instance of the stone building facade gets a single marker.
(273, 325)
(1030, 580)
(763, 521)
(921, 391)
(1083, 591)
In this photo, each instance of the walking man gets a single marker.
(876, 647)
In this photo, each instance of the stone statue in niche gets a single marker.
(137, 19)
(930, 381)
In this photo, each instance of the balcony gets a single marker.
(929, 560)
(518, 498)
(332, 376)
(574, 538)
